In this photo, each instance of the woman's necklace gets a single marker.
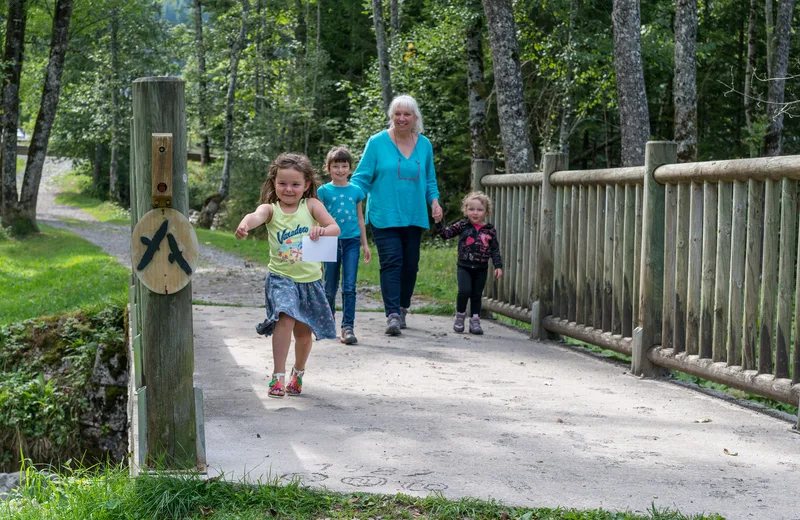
(408, 176)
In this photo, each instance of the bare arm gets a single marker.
(262, 214)
(363, 228)
(327, 226)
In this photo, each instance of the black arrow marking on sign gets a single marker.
(152, 245)
(177, 255)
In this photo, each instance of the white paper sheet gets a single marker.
(323, 250)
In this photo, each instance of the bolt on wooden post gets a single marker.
(166, 328)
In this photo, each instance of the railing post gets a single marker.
(543, 306)
(480, 168)
(651, 292)
(166, 329)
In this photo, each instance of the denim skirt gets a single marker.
(305, 302)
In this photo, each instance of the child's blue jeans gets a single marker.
(349, 253)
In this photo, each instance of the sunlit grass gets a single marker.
(73, 192)
(55, 271)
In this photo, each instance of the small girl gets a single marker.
(295, 298)
(476, 244)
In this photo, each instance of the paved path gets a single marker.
(498, 416)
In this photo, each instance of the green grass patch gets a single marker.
(55, 271)
(75, 191)
(250, 249)
(111, 494)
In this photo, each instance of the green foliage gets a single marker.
(39, 275)
(109, 493)
(45, 370)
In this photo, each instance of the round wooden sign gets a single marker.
(164, 250)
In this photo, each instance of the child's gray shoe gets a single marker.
(475, 325)
(393, 324)
(458, 325)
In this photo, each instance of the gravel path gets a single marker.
(221, 278)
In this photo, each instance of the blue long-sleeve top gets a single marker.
(399, 189)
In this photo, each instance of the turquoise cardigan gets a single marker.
(399, 190)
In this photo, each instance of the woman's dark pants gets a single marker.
(398, 251)
(470, 287)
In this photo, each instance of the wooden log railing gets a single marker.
(691, 266)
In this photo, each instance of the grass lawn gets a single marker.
(111, 494)
(55, 271)
(73, 193)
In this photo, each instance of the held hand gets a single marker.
(241, 231)
(315, 232)
(436, 211)
(498, 273)
(367, 254)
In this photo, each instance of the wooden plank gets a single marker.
(708, 275)
(591, 244)
(670, 222)
(629, 239)
(680, 297)
(608, 261)
(526, 251)
(504, 239)
(637, 252)
(769, 275)
(167, 338)
(514, 249)
(723, 271)
(558, 250)
(786, 275)
(573, 254)
(796, 355)
(736, 288)
(695, 269)
(545, 244)
(651, 291)
(566, 253)
(752, 273)
(580, 269)
(616, 274)
(533, 266)
(600, 241)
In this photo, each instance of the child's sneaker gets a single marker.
(348, 337)
(295, 386)
(475, 325)
(393, 324)
(458, 325)
(403, 313)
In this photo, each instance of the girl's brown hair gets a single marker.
(480, 197)
(338, 154)
(289, 161)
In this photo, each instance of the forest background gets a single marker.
(267, 76)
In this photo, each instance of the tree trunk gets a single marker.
(383, 53)
(202, 109)
(777, 78)
(15, 38)
(258, 63)
(508, 85)
(395, 21)
(566, 103)
(113, 185)
(97, 167)
(477, 88)
(212, 205)
(47, 110)
(750, 70)
(686, 80)
(634, 118)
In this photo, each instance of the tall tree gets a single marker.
(779, 35)
(37, 151)
(634, 118)
(212, 204)
(395, 21)
(202, 81)
(15, 39)
(686, 79)
(508, 86)
(383, 53)
(750, 69)
(113, 180)
(476, 87)
(567, 100)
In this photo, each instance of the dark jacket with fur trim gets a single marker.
(475, 247)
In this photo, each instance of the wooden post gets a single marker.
(547, 223)
(617, 265)
(708, 267)
(628, 258)
(167, 336)
(723, 267)
(651, 288)
(480, 169)
(736, 294)
(695, 271)
(681, 295)
(769, 274)
(786, 275)
(752, 272)
(670, 221)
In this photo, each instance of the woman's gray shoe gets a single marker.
(402, 316)
(475, 326)
(458, 325)
(393, 324)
